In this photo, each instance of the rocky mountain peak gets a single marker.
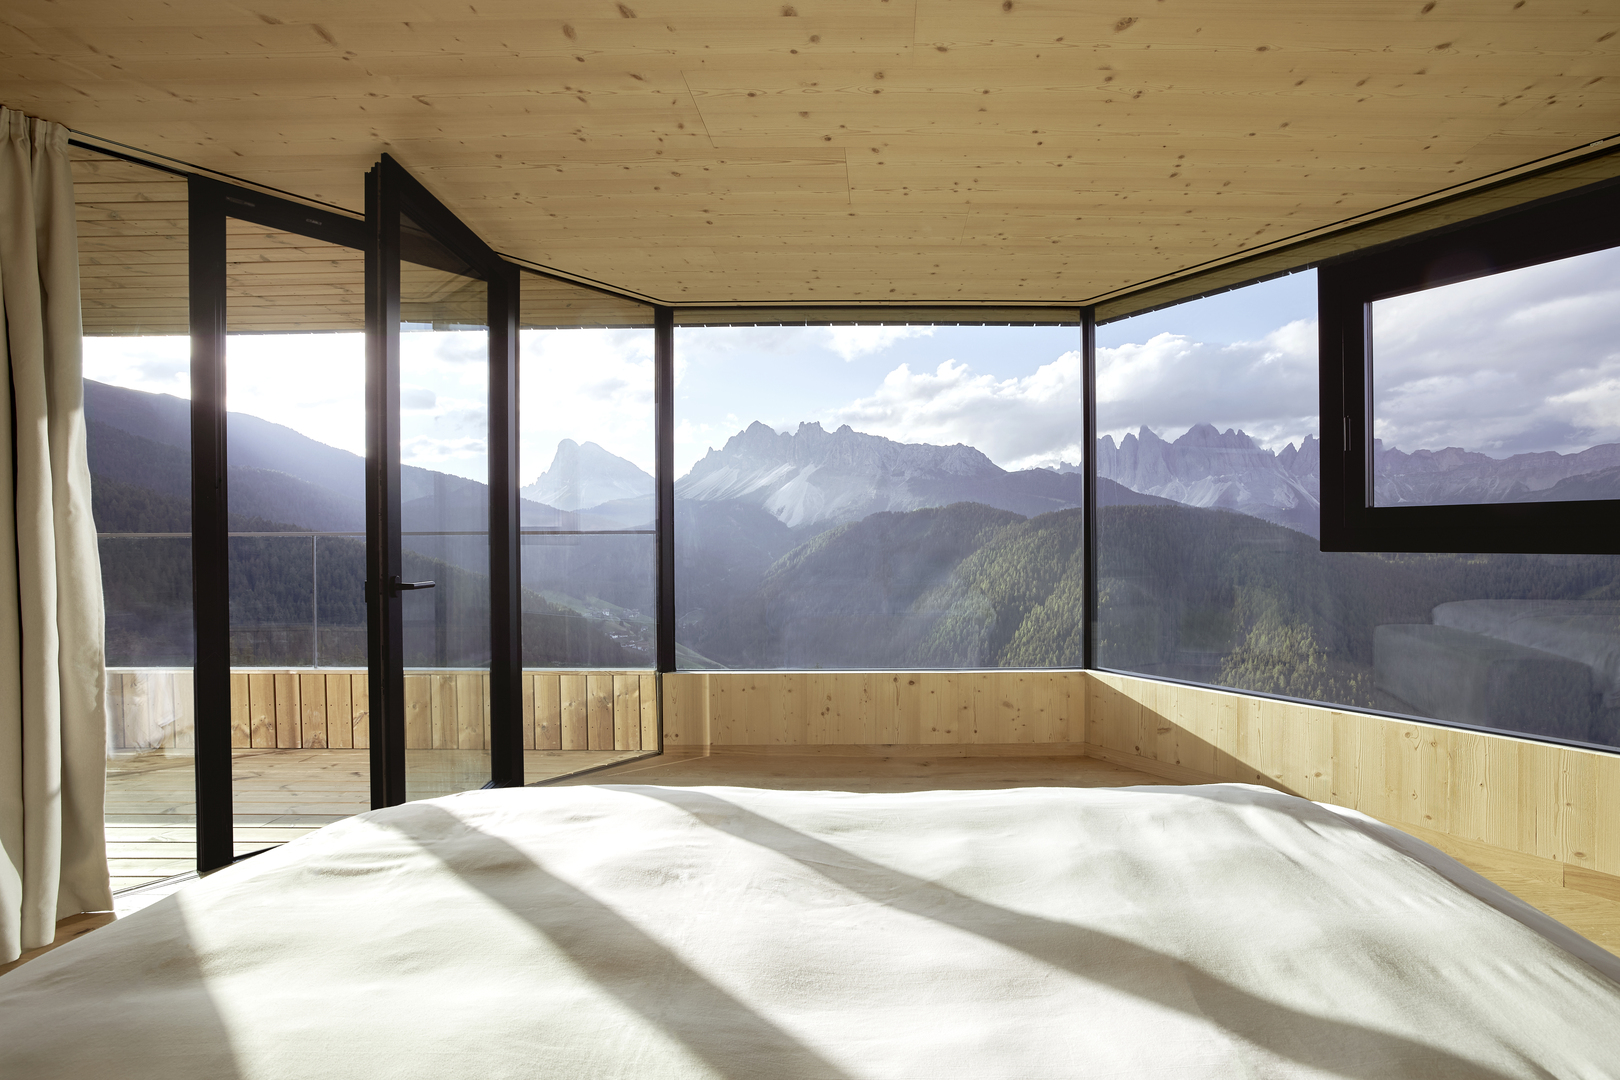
(583, 475)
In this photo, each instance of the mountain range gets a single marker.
(806, 548)
(1454, 475)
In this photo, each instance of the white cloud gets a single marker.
(1523, 361)
(1018, 423)
(851, 342)
(1168, 383)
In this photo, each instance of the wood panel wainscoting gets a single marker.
(328, 708)
(1548, 810)
(833, 708)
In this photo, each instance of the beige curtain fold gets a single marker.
(53, 731)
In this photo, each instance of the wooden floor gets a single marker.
(286, 793)
(278, 795)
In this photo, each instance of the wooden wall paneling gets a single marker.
(1304, 747)
(1056, 688)
(649, 711)
(599, 711)
(442, 706)
(859, 720)
(419, 711)
(730, 709)
(685, 708)
(626, 712)
(733, 699)
(574, 711)
(1606, 814)
(1343, 789)
(547, 711)
(360, 709)
(312, 710)
(961, 704)
(1435, 768)
(790, 707)
(286, 709)
(1577, 806)
(262, 709)
(913, 701)
(185, 708)
(116, 739)
(886, 719)
(526, 710)
(1197, 734)
(1372, 784)
(339, 709)
(161, 699)
(1162, 730)
(137, 711)
(1467, 785)
(1537, 800)
(241, 724)
(483, 710)
(819, 704)
(775, 715)
(999, 693)
(466, 710)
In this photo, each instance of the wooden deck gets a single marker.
(278, 795)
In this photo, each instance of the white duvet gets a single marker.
(653, 932)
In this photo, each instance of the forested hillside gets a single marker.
(1223, 597)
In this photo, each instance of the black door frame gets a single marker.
(392, 194)
(210, 204)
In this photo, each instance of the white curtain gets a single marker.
(53, 732)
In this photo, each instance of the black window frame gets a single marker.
(211, 202)
(392, 196)
(1576, 223)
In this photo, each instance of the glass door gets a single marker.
(277, 480)
(440, 380)
(295, 435)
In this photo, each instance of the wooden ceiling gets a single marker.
(843, 151)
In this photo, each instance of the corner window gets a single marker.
(1472, 378)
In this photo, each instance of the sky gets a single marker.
(1528, 360)
(1524, 361)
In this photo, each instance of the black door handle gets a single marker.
(407, 586)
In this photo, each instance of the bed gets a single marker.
(651, 932)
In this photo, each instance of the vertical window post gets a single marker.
(210, 527)
(1088, 425)
(505, 577)
(664, 501)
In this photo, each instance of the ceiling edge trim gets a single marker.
(1544, 177)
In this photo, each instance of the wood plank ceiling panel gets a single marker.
(699, 151)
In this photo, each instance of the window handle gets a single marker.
(407, 586)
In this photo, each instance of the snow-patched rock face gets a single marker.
(582, 476)
(1455, 475)
(1225, 470)
(814, 476)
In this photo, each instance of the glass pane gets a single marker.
(1209, 568)
(1503, 388)
(295, 379)
(589, 551)
(132, 265)
(444, 477)
(879, 497)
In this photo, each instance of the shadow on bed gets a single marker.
(738, 1042)
(642, 974)
(163, 978)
